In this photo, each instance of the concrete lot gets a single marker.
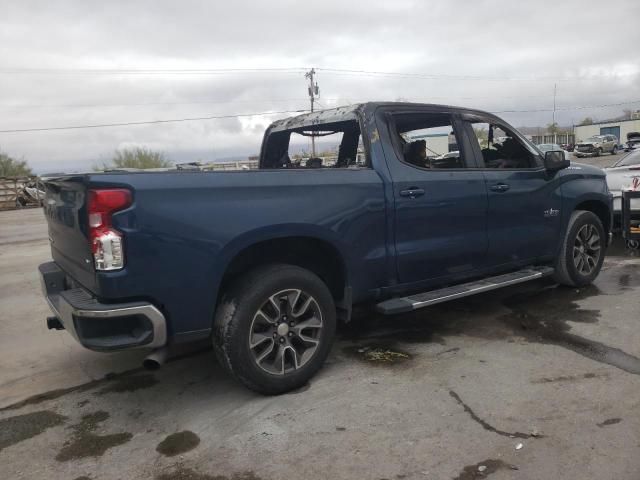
(553, 369)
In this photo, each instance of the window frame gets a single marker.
(469, 119)
(466, 152)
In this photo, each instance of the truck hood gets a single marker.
(586, 169)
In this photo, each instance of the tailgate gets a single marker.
(65, 210)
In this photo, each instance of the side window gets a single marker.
(501, 148)
(427, 140)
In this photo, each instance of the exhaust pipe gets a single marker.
(156, 359)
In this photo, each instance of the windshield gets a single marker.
(595, 139)
(631, 159)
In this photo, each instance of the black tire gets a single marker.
(598, 152)
(614, 151)
(566, 270)
(234, 327)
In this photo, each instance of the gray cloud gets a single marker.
(518, 49)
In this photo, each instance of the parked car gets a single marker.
(550, 147)
(264, 262)
(633, 141)
(596, 146)
(619, 177)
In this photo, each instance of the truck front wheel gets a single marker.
(274, 328)
(582, 251)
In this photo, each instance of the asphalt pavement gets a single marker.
(533, 381)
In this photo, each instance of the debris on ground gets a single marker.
(519, 446)
(383, 355)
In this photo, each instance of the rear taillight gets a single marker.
(106, 241)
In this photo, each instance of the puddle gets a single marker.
(178, 443)
(184, 473)
(618, 249)
(471, 472)
(127, 384)
(537, 311)
(22, 427)
(85, 443)
(542, 317)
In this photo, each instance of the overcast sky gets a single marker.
(494, 55)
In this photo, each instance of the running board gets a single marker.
(419, 300)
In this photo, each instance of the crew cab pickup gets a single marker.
(420, 204)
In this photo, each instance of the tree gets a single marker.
(10, 167)
(553, 128)
(138, 157)
(482, 135)
(586, 121)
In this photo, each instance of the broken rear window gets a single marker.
(329, 145)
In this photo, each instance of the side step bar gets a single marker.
(420, 300)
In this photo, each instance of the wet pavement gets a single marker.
(448, 392)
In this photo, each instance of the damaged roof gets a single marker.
(351, 112)
(330, 115)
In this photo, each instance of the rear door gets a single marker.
(524, 220)
(65, 211)
(440, 200)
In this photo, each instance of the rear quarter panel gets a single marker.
(183, 229)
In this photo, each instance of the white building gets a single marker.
(618, 128)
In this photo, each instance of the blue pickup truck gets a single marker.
(419, 204)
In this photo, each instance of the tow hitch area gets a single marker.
(54, 324)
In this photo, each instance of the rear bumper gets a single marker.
(100, 326)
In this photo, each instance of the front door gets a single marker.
(440, 201)
(523, 222)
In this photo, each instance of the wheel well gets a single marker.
(315, 255)
(600, 209)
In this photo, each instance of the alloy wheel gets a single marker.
(285, 331)
(586, 249)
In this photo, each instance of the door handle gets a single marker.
(412, 192)
(500, 187)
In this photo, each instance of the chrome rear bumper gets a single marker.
(100, 326)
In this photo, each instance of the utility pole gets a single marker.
(314, 91)
(553, 123)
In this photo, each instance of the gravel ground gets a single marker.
(449, 392)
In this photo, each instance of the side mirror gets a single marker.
(554, 160)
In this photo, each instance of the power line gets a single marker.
(145, 71)
(149, 122)
(108, 105)
(291, 70)
(582, 107)
(214, 117)
(425, 76)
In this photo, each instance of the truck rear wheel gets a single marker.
(582, 251)
(274, 328)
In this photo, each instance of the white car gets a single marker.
(619, 177)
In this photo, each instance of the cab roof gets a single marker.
(352, 112)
